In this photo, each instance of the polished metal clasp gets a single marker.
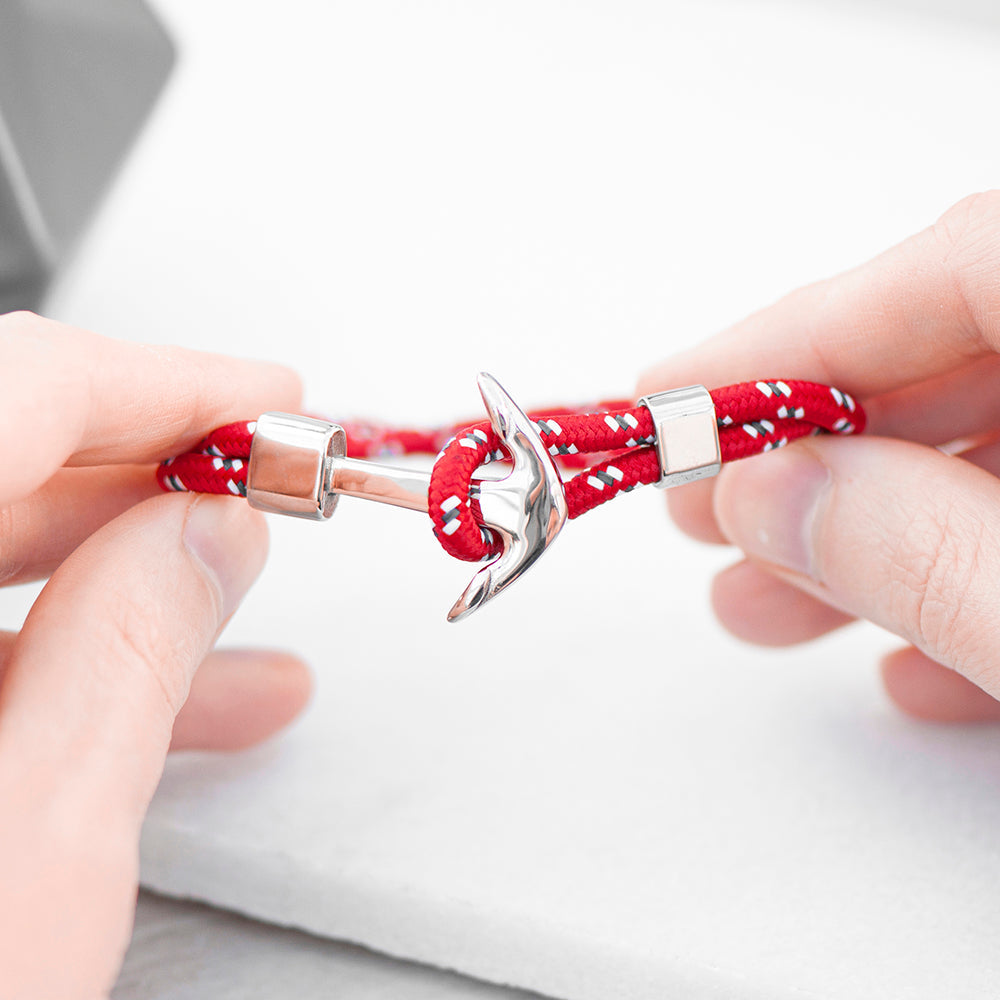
(298, 466)
(687, 434)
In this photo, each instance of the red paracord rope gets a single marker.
(753, 417)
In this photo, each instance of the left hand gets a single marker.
(140, 584)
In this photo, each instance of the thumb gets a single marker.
(898, 533)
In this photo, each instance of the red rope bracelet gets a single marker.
(753, 417)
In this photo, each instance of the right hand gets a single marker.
(884, 526)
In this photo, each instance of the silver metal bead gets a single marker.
(687, 434)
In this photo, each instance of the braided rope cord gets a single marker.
(753, 417)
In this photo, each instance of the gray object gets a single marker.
(77, 80)
(185, 951)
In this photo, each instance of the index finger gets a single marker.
(924, 308)
(81, 399)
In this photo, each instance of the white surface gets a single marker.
(587, 790)
(182, 951)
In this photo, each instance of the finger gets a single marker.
(7, 640)
(754, 604)
(82, 399)
(961, 404)
(759, 607)
(115, 636)
(924, 308)
(936, 411)
(239, 698)
(886, 530)
(691, 507)
(986, 456)
(926, 690)
(89, 695)
(39, 531)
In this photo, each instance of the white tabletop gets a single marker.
(589, 791)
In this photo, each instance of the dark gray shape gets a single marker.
(77, 80)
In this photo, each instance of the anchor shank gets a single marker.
(366, 480)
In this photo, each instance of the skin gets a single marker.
(113, 666)
(886, 526)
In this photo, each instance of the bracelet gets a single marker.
(290, 464)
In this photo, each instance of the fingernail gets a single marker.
(218, 536)
(768, 506)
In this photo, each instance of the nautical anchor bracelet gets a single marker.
(298, 465)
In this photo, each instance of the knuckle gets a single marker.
(137, 638)
(935, 574)
(179, 413)
(37, 344)
(971, 213)
(12, 556)
(968, 225)
(967, 239)
(21, 317)
(24, 323)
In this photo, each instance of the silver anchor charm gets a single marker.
(298, 466)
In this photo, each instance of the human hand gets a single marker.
(885, 526)
(140, 585)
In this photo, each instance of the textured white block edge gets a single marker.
(446, 932)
